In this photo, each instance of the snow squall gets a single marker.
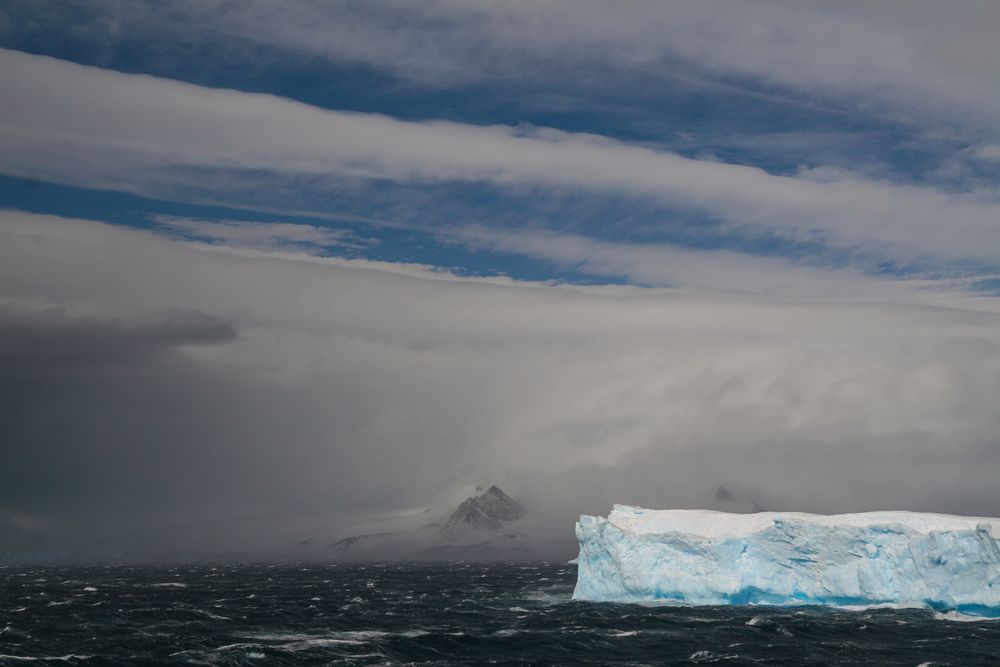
(702, 557)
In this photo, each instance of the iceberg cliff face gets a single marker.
(701, 557)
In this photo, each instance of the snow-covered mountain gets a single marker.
(482, 527)
(482, 513)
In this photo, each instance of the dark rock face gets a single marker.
(486, 512)
(498, 504)
(347, 542)
(736, 503)
(470, 515)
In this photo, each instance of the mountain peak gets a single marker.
(501, 506)
(486, 511)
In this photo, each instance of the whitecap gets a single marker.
(708, 656)
(318, 642)
(507, 632)
(961, 618)
(295, 640)
(414, 633)
(230, 647)
(275, 636)
(46, 658)
(548, 599)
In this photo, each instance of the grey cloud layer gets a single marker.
(292, 383)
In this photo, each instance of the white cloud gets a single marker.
(708, 270)
(912, 56)
(97, 128)
(987, 152)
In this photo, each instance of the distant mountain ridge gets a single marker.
(471, 531)
(458, 524)
(739, 504)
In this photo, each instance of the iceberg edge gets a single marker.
(702, 557)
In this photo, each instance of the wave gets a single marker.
(46, 658)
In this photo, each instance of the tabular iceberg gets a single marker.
(701, 557)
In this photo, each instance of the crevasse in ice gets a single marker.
(701, 557)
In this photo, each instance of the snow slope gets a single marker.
(702, 557)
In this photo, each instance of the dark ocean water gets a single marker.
(459, 614)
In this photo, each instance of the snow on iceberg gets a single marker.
(701, 557)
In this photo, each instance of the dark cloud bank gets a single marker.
(169, 384)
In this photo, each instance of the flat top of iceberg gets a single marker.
(712, 524)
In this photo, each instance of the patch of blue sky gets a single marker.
(392, 243)
(694, 113)
(420, 225)
(987, 286)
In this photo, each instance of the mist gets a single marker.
(153, 382)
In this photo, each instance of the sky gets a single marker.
(296, 258)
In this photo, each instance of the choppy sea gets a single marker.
(455, 614)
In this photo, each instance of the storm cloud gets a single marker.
(171, 380)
